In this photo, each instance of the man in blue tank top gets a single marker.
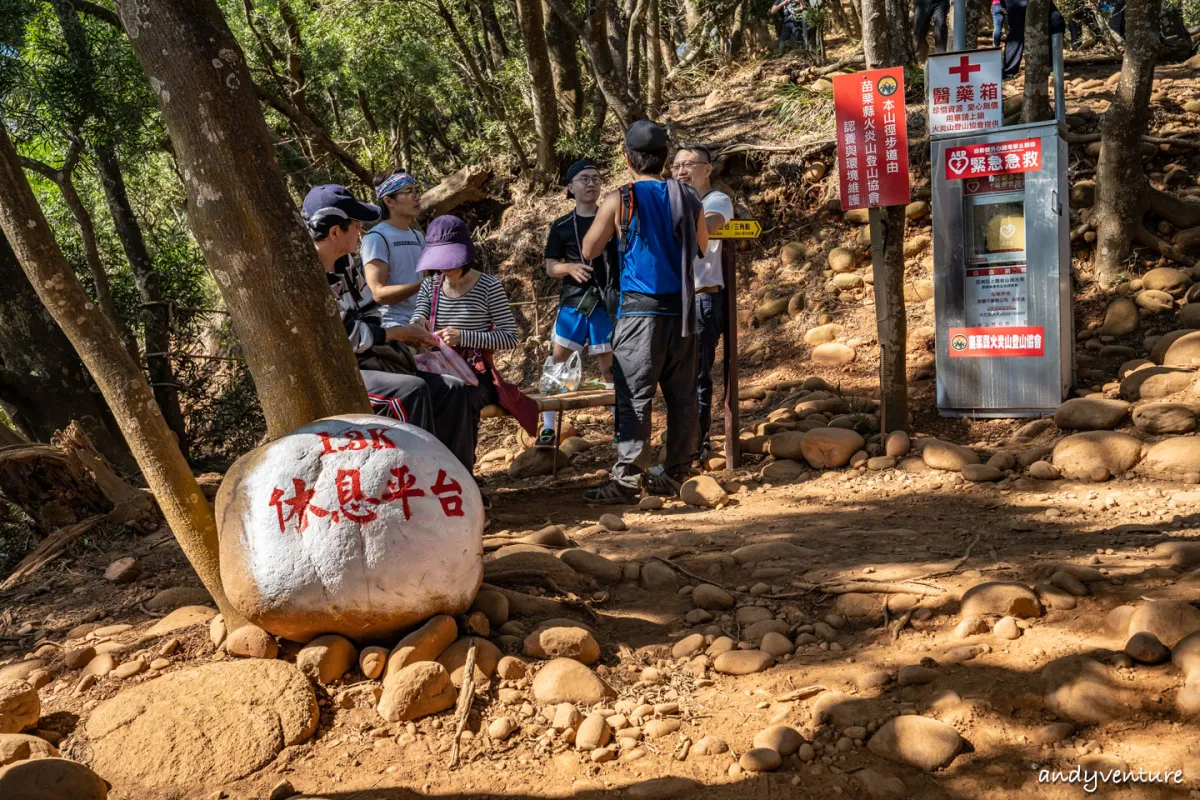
(661, 228)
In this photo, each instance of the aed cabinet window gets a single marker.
(995, 228)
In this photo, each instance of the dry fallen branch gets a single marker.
(956, 566)
(900, 623)
(466, 696)
(801, 694)
(831, 587)
(808, 148)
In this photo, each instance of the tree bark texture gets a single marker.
(118, 375)
(608, 77)
(891, 319)
(1036, 106)
(564, 63)
(254, 242)
(541, 79)
(900, 47)
(893, 331)
(156, 332)
(654, 56)
(495, 35)
(616, 30)
(876, 36)
(43, 385)
(635, 47)
(1120, 183)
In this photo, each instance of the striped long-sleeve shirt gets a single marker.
(482, 314)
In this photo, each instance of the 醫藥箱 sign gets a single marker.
(872, 138)
(964, 92)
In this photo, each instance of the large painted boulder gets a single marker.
(357, 525)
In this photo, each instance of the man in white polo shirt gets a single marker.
(693, 166)
(391, 248)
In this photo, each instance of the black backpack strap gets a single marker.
(626, 215)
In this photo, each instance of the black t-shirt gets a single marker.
(563, 243)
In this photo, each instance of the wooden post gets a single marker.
(882, 317)
(733, 445)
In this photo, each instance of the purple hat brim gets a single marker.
(442, 257)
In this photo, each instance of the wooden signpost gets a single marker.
(734, 229)
(872, 139)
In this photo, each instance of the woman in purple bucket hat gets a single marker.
(468, 310)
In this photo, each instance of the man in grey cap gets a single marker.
(662, 230)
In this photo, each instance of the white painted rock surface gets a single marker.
(356, 525)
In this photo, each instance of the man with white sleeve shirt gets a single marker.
(693, 166)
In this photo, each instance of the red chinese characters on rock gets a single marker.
(1003, 158)
(402, 486)
(872, 138)
(298, 506)
(449, 492)
(354, 503)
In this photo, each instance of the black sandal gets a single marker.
(663, 485)
(610, 494)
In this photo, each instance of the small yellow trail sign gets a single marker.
(738, 229)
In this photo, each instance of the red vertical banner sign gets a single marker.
(872, 138)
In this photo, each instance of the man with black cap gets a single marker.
(661, 229)
(396, 388)
(589, 286)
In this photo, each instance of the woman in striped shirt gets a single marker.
(468, 309)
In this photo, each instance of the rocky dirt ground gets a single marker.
(843, 616)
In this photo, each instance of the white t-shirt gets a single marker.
(708, 267)
(400, 250)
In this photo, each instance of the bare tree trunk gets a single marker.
(541, 80)
(595, 39)
(495, 35)
(654, 45)
(402, 143)
(564, 62)
(616, 30)
(1120, 183)
(667, 37)
(692, 16)
(880, 50)
(838, 13)
(856, 16)
(1036, 106)
(737, 32)
(37, 363)
(364, 107)
(253, 240)
(162, 463)
(900, 48)
(599, 110)
(157, 313)
(633, 40)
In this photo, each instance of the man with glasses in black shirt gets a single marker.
(589, 287)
